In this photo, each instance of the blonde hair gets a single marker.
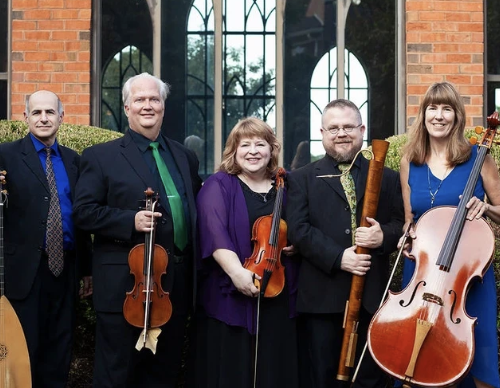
(248, 128)
(458, 148)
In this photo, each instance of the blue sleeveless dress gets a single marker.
(481, 300)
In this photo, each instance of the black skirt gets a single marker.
(224, 355)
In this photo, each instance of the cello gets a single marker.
(422, 335)
(269, 237)
(147, 306)
(14, 358)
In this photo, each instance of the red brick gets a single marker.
(23, 25)
(51, 46)
(37, 14)
(25, 45)
(37, 35)
(64, 35)
(50, 25)
(459, 58)
(66, 14)
(36, 56)
(24, 4)
(77, 66)
(37, 77)
(77, 25)
(51, 4)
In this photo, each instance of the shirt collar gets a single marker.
(40, 146)
(143, 142)
(357, 162)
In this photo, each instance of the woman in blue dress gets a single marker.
(436, 164)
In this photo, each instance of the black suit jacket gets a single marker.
(319, 223)
(114, 177)
(26, 213)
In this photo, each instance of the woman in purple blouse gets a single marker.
(226, 326)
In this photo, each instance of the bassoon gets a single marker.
(353, 305)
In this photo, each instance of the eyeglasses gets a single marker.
(335, 131)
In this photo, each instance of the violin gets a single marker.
(14, 358)
(423, 335)
(269, 235)
(147, 306)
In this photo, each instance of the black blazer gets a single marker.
(26, 213)
(319, 223)
(114, 177)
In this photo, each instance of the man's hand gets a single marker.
(144, 220)
(369, 237)
(357, 264)
(86, 288)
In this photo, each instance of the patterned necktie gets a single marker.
(54, 237)
(174, 199)
(350, 193)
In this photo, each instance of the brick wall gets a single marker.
(51, 50)
(445, 42)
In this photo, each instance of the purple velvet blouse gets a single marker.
(223, 224)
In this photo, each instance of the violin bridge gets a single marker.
(428, 297)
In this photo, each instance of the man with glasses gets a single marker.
(323, 214)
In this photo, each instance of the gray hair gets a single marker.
(163, 87)
(60, 108)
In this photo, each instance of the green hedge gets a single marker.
(77, 137)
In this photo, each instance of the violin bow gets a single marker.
(257, 326)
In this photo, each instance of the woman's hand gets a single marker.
(289, 250)
(407, 239)
(243, 280)
(477, 208)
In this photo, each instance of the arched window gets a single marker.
(324, 89)
(126, 63)
(200, 84)
(248, 67)
(123, 48)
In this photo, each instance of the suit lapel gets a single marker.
(326, 166)
(32, 161)
(136, 161)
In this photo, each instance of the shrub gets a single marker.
(77, 137)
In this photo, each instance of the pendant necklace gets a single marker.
(433, 194)
(264, 196)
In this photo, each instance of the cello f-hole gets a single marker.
(401, 302)
(452, 310)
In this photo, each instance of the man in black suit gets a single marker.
(114, 177)
(43, 295)
(320, 227)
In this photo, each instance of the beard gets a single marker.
(343, 156)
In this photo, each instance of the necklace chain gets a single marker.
(433, 195)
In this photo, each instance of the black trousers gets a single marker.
(118, 364)
(47, 316)
(320, 342)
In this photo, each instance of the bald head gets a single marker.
(44, 114)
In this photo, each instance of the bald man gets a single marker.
(43, 294)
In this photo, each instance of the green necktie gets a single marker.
(350, 193)
(174, 199)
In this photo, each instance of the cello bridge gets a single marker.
(428, 297)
